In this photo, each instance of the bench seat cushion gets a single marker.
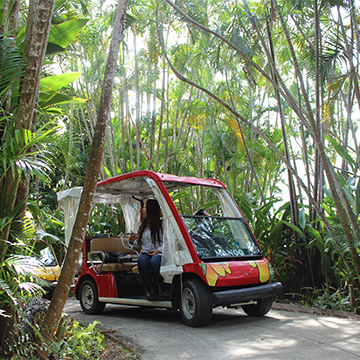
(112, 267)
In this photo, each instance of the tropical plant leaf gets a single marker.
(317, 238)
(12, 66)
(2, 15)
(335, 2)
(57, 82)
(302, 219)
(23, 264)
(233, 124)
(239, 42)
(53, 49)
(337, 83)
(31, 287)
(292, 226)
(5, 288)
(107, 171)
(64, 33)
(53, 98)
(328, 193)
(341, 151)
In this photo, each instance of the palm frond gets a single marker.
(12, 67)
(23, 265)
(31, 287)
(6, 290)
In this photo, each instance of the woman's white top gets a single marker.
(146, 243)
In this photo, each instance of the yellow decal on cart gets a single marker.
(212, 271)
(263, 267)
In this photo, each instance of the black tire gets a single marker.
(89, 300)
(195, 303)
(262, 307)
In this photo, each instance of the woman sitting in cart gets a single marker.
(150, 240)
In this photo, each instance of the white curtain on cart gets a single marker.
(175, 252)
(69, 200)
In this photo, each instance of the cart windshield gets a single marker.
(224, 237)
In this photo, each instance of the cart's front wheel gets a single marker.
(196, 303)
(89, 298)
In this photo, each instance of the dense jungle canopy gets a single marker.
(263, 96)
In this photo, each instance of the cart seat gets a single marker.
(112, 267)
(99, 246)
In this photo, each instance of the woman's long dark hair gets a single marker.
(153, 214)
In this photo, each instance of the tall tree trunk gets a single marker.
(128, 120)
(161, 115)
(137, 104)
(292, 192)
(3, 24)
(71, 144)
(248, 155)
(123, 127)
(36, 38)
(14, 17)
(90, 136)
(318, 173)
(111, 148)
(167, 121)
(349, 51)
(183, 119)
(12, 26)
(153, 123)
(78, 118)
(97, 149)
(112, 136)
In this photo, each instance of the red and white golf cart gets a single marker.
(208, 261)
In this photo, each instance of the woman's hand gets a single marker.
(154, 252)
(132, 237)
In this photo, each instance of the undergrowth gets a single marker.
(325, 298)
(72, 341)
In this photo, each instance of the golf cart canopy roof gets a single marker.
(135, 184)
(128, 189)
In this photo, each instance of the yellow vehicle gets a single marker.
(49, 269)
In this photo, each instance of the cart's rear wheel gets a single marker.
(89, 300)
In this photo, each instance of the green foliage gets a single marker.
(106, 219)
(335, 243)
(327, 297)
(21, 347)
(71, 340)
(2, 11)
(78, 342)
(63, 34)
(342, 152)
(272, 228)
(21, 152)
(18, 278)
(12, 67)
(49, 96)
